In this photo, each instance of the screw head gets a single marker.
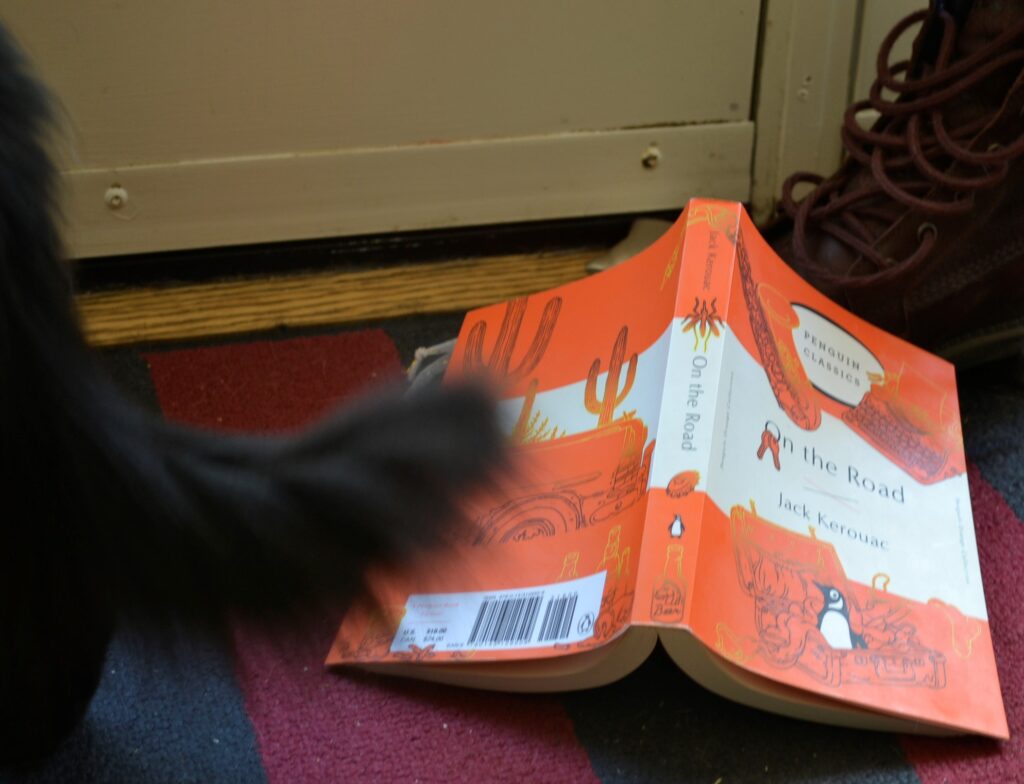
(651, 157)
(115, 197)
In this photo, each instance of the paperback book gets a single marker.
(712, 457)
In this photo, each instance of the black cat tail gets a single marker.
(110, 512)
(274, 528)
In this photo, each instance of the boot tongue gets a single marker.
(980, 22)
(927, 47)
(985, 21)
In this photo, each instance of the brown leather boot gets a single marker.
(921, 230)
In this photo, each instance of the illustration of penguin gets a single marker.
(834, 620)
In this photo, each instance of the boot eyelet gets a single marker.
(927, 228)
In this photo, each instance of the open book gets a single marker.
(714, 456)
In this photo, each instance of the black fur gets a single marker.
(110, 514)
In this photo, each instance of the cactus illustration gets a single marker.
(498, 365)
(500, 360)
(519, 432)
(532, 426)
(613, 397)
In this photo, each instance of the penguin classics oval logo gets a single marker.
(836, 363)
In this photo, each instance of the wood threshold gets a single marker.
(153, 314)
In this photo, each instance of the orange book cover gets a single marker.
(705, 444)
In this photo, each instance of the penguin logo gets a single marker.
(834, 620)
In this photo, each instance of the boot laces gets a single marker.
(908, 152)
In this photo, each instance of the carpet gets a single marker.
(270, 712)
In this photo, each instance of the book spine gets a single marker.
(686, 428)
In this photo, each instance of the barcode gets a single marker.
(558, 618)
(513, 620)
(503, 621)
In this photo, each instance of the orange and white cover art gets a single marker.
(550, 566)
(709, 444)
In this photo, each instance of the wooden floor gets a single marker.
(145, 315)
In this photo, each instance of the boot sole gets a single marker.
(981, 347)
